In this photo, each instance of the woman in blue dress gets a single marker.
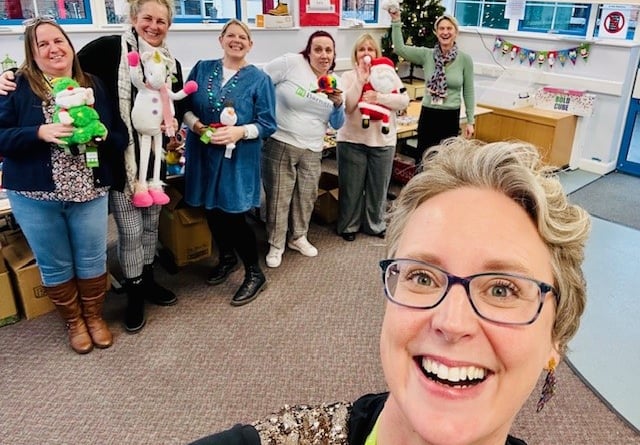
(224, 179)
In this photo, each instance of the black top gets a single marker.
(364, 413)
(101, 57)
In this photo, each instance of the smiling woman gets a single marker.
(478, 306)
(450, 81)
(222, 174)
(55, 188)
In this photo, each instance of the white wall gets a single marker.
(609, 72)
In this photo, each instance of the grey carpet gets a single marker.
(614, 197)
(203, 365)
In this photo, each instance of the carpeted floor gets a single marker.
(203, 365)
(614, 197)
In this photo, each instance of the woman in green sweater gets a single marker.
(449, 80)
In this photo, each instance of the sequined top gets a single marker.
(324, 424)
(341, 423)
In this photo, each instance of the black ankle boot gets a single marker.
(227, 264)
(155, 293)
(254, 283)
(134, 319)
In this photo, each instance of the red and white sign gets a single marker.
(614, 22)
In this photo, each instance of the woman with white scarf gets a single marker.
(448, 74)
(106, 57)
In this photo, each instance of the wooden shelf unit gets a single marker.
(551, 131)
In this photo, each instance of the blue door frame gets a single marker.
(629, 157)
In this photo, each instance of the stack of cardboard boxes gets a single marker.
(20, 280)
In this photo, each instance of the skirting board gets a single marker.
(601, 168)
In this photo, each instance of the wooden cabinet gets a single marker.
(552, 132)
(415, 88)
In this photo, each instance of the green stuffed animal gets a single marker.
(74, 105)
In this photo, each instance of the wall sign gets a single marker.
(614, 22)
(319, 12)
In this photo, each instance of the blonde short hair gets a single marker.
(366, 37)
(450, 18)
(240, 23)
(515, 169)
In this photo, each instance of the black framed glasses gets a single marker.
(33, 21)
(501, 298)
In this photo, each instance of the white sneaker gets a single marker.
(274, 257)
(303, 246)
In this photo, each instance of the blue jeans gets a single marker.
(68, 239)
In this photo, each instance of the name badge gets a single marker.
(437, 100)
(91, 157)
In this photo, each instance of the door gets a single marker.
(629, 157)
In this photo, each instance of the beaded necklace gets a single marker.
(218, 99)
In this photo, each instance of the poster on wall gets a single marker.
(614, 22)
(319, 12)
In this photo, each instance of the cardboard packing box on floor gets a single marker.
(8, 310)
(183, 230)
(326, 206)
(27, 283)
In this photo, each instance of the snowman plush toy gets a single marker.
(382, 79)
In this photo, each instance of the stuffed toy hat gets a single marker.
(383, 61)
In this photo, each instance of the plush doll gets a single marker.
(74, 105)
(228, 117)
(391, 6)
(327, 84)
(382, 79)
(152, 107)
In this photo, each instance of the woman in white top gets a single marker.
(291, 162)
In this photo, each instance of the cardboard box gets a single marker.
(183, 230)
(274, 21)
(8, 309)
(326, 206)
(404, 168)
(25, 274)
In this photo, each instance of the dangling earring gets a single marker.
(549, 387)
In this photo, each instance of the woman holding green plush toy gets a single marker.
(57, 176)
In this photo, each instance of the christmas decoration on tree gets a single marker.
(418, 18)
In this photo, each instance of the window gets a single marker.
(553, 17)
(14, 12)
(365, 10)
(483, 13)
(211, 11)
(196, 11)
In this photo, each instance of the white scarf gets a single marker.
(130, 40)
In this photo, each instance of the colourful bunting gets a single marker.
(541, 57)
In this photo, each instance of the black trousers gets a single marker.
(232, 233)
(434, 125)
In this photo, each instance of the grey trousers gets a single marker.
(363, 176)
(137, 233)
(290, 177)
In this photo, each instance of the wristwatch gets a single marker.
(246, 132)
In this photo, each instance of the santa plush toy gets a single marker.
(382, 79)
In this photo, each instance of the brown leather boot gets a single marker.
(65, 297)
(92, 293)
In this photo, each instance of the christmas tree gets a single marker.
(418, 18)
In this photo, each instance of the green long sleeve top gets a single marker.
(459, 74)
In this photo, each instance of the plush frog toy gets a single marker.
(74, 105)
